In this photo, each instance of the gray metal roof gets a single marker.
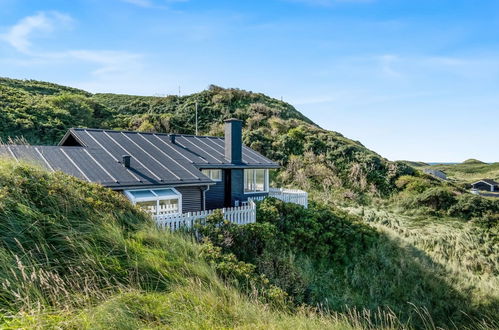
(96, 165)
(201, 151)
(155, 160)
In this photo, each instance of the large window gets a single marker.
(256, 180)
(214, 174)
(157, 201)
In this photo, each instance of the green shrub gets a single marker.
(413, 184)
(470, 206)
(436, 198)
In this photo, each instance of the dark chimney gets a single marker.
(233, 140)
(172, 138)
(126, 160)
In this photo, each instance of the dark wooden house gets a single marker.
(163, 173)
(486, 185)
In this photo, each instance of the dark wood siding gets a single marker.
(237, 184)
(482, 186)
(192, 198)
(215, 196)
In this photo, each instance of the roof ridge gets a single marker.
(135, 132)
(42, 146)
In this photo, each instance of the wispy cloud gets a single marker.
(387, 63)
(19, 35)
(140, 3)
(328, 3)
(152, 3)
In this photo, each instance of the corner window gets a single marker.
(156, 201)
(214, 174)
(256, 180)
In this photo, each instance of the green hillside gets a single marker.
(470, 171)
(382, 244)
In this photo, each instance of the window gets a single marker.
(156, 201)
(256, 180)
(214, 174)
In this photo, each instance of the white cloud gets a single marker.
(140, 3)
(328, 3)
(109, 61)
(19, 35)
(152, 4)
(388, 62)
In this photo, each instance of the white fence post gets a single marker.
(239, 215)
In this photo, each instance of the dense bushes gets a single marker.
(323, 257)
(469, 206)
(436, 198)
(286, 230)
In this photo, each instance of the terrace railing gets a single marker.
(239, 215)
(295, 196)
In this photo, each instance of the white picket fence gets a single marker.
(239, 215)
(295, 196)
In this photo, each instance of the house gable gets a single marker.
(486, 184)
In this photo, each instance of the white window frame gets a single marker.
(266, 181)
(157, 198)
(204, 170)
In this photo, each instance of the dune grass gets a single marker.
(458, 254)
(75, 255)
(78, 256)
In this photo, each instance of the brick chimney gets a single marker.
(233, 140)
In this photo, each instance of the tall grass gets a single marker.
(76, 255)
(460, 255)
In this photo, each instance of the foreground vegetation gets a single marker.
(76, 255)
(383, 245)
(329, 258)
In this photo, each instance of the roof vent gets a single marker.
(172, 138)
(126, 160)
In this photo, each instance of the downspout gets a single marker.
(204, 197)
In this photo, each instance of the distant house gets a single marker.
(436, 173)
(486, 185)
(168, 175)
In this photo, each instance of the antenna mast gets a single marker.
(196, 117)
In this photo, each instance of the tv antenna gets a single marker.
(196, 117)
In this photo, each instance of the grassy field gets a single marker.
(469, 171)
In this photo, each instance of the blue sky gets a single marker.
(412, 80)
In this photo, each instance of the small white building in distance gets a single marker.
(436, 173)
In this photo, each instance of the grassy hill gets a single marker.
(470, 171)
(382, 245)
